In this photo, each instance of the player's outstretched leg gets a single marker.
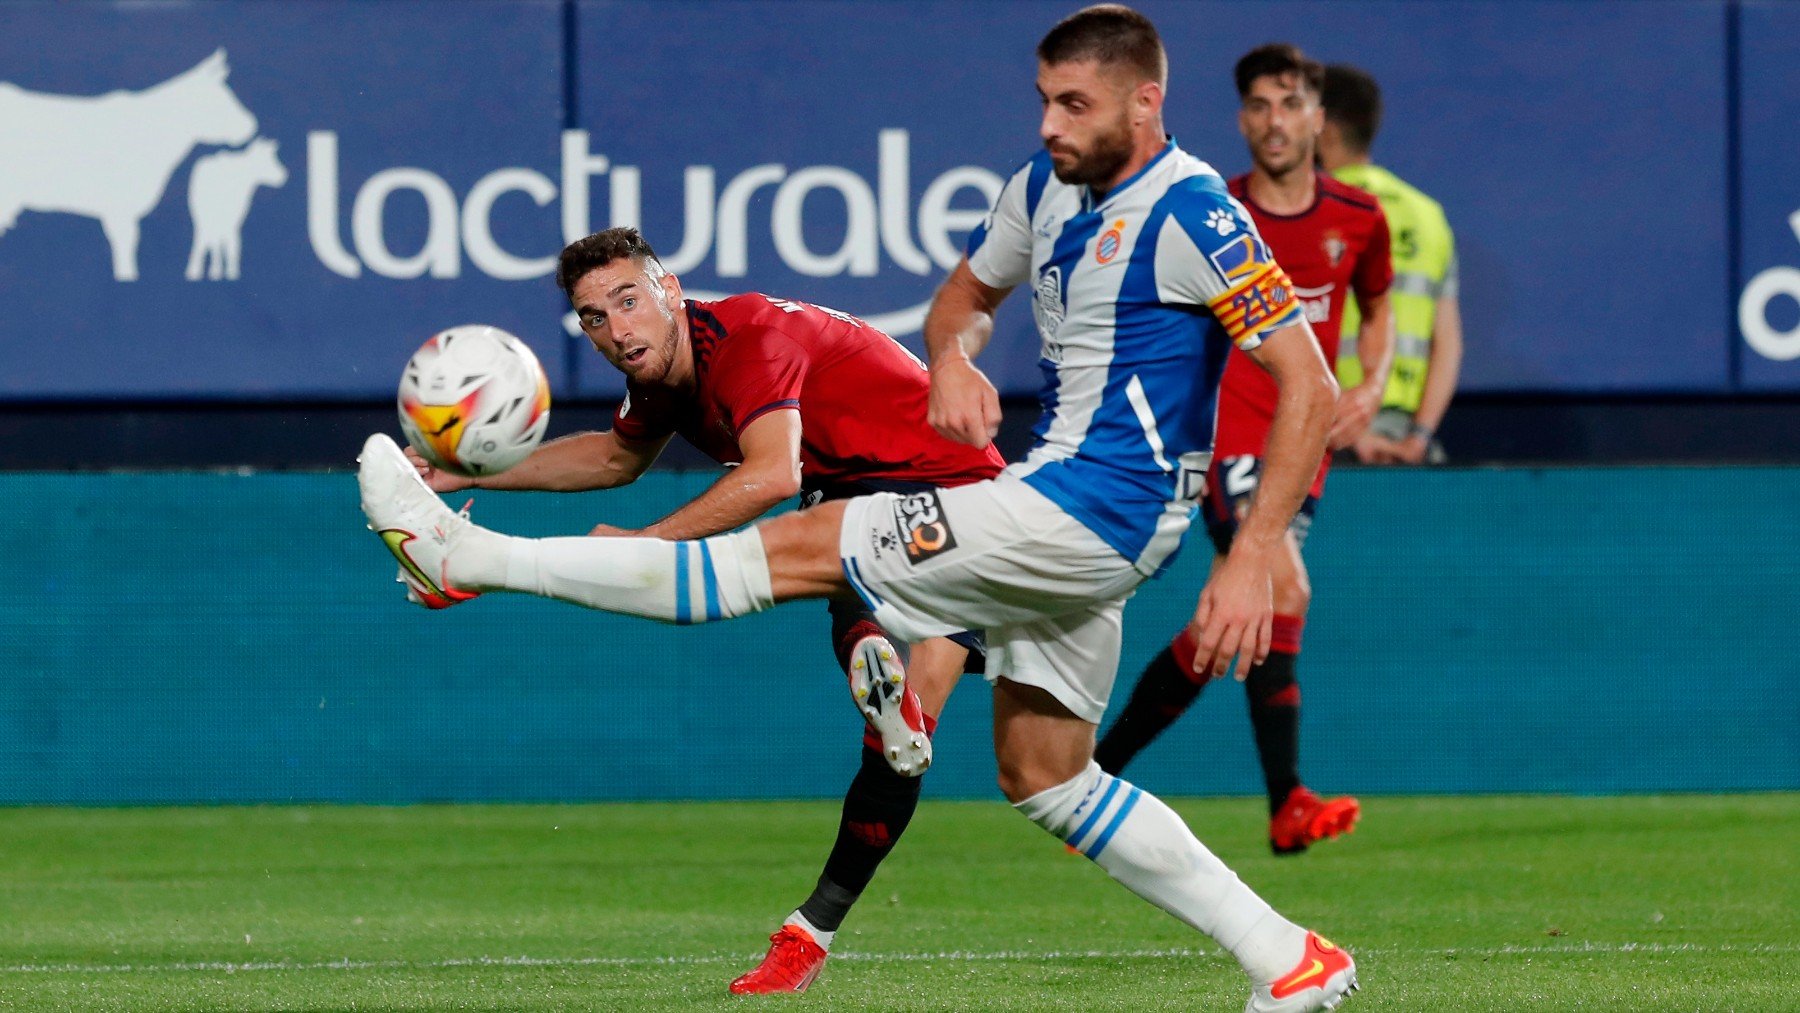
(1145, 846)
(447, 556)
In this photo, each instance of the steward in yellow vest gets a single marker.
(1427, 318)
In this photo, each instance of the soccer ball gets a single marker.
(474, 401)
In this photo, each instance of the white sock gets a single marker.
(822, 937)
(1140, 842)
(678, 582)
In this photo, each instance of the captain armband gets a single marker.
(1256, 304)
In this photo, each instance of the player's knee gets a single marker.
(1293, 595)
(932, 671)
(1022, 777)
(802, 550)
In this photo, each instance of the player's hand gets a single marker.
(1412, 450)
(1236, 617)
(440, 481)
(608, 531)
(1373, 449)
(1356, 408)
(964, 407)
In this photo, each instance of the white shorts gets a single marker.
(996, 556)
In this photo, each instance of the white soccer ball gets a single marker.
(474, 401)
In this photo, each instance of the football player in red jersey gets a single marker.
(1332, 240)
(779, 392)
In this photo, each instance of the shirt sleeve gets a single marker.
(1447, 288)
(643, 417)
(1000, 248)
(1375, 268)
(1209, 255)
(760, 371)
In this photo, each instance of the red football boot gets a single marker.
(793, 961)
(1305, 818)
(1322, 980)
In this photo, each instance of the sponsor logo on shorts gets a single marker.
(924, 529)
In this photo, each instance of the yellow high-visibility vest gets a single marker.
(1424, 254)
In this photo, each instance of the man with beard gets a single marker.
(1132, 251)
(1333, 241)
(777, 391)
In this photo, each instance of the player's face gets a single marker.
(1087, 120)
(628, 310)
(1281, 119)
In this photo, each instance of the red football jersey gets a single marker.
(861, 395)
(1337, 247)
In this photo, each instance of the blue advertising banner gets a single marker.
(270, 200)
(1768, 307)
(279, 201)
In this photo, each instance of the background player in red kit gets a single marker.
(1333, 242)
(781, 392)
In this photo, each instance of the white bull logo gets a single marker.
(219, 193)
(110, 157)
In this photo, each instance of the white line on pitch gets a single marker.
(233, 967)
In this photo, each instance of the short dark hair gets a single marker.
(1352, 100)
(1277, 60)
(1110, 34)
(599, 250)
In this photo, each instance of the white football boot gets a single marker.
(878, 685)
(1322, 980)
(413, 522)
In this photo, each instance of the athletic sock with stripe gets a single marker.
(675, 582)
(1140, 842)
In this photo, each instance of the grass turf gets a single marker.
(1514, 904)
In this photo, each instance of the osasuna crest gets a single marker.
(1335, 248)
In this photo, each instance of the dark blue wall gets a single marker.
(1609, 206)
(211, 637)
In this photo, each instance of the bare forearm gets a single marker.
(1443, 369)
(735, 499)
(1291, 457)
(960, 322)
(574, 463)
(1375, 343)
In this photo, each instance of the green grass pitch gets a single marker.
(1513, 904)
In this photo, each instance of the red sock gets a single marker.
(1183, 648)
(1286, 635)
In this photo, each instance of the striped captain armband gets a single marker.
(1255, 305)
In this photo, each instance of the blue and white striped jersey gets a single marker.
(1137, 299)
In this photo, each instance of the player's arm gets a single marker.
(1371, 283)
(1442, 370)
(1357, 406)
(770, 473)
(964, 405)
(574, 463)
(1235, 617)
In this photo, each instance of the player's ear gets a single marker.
(672, 289)
(1147, 100)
